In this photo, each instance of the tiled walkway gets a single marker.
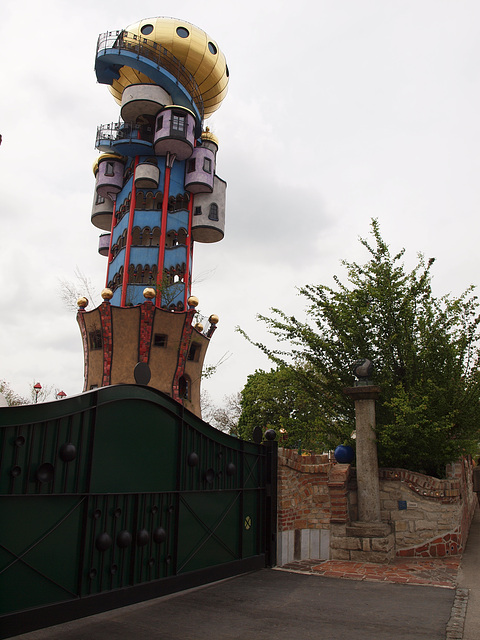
(441, 572)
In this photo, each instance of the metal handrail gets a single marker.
(122, 131)
(123, 40)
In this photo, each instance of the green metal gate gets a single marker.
(119, 495)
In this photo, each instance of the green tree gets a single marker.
(281, 399)
(425, 351)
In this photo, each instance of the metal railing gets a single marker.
(123, 131)
(124, 41)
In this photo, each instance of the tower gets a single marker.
(156, 194)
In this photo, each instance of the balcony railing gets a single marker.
(146, 48)
(123, 131)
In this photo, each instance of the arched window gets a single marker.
(149, 201)
(213, 213)
(146, 237)
(140, 202)
(156, 237)
(136, 236)
(182, 236)
(158, 200)
(131, 274)
(184, 387)
(171, 239)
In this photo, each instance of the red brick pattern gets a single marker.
(147, 312)
(433, 572)
(312, 491)
(83, 331)
(444, 491)
(107, 340)
(447, 545)
(183, 353)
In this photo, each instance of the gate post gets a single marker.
(271, 475)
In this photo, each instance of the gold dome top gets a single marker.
(197, 52)
(193, 301)
(106, 156)
(207, 135)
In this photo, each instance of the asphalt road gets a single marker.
(277, 605)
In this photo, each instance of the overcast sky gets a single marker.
(337, 111)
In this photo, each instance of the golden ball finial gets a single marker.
(149, 293)
(193, 301)
(213, 319)
(107, 294)
(199, 326)
(82, 302)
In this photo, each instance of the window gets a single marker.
(160, 340)
(191, 165)
(95, 339)
(194, 352)
(100, 199)
(207, 165)
(182, 32)
(184, 387)
(198, 211)
(213, 213)
(159, 123)
(109, 171)
(178, 123)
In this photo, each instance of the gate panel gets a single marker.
(135, 448)
(208, 530)
(39, 556)
(119, 495)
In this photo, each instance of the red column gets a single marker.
(163, 233)
(111, 236)
(126, 262)
(189, 253)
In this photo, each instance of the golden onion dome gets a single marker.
(208, 136)
(196, 51)
(106, 156)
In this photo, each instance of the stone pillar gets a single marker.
(366, 446)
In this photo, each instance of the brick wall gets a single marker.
(316, 495)
(312, 493)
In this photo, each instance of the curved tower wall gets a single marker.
(155, 171)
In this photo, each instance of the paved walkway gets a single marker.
(436, 573)
(279, 605)
(469, 580)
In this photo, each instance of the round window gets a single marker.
(182, 32)
(147, 29)
(212, 48)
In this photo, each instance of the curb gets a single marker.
(456, 622)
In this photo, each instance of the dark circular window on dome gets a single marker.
(147, 29)
(182, 32)
(227, 71)
(212, 48)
